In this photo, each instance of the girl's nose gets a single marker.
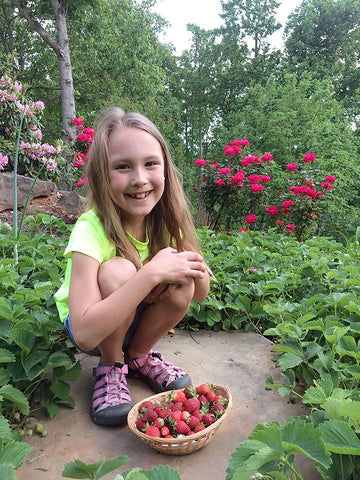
(139, 177)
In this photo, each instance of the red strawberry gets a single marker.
(199, 428)
(197, 414)
(191, 405)
(153, 431)
(190, 391)
(140, 423)
(158, 409)
(203, 389)
(159, 422)
(176, 406)
(150, 416)
(218, 408)
(208, 419)
(176, 415)
(165, 413)
(182, 427)
(179, 397)
(147, 405)
(193, 421)
(211, 396)
(203, 399)
(169, 436)
(164, 431)
(185, 415)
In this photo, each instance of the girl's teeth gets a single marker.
(140, 195)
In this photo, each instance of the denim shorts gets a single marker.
(128, 336)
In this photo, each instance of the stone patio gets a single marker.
(241, 361)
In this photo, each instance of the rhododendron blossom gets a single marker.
(78, 121)
(250, 218)
(265, 178)
(3, 161)
(224, 171)
(249, 160)
(80, 183)
(330, 178)
(243, 230)
(215, 165)
(287, 204)
(220, 182)
(256, 187)
(290, 226)
(272, 210)
(254, 179)
(231, 150)
(280, 223)
(238, 178)
(327, 186)
(267, 157)
(79, 160)
(309, 157)
(291, 167)
(243, 142)
(200, 162)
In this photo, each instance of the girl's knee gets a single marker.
(114, 273)
(180, 298)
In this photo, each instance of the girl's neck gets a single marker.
(137, 231)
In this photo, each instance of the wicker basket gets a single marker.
(183, 445)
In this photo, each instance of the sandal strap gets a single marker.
(110, 387)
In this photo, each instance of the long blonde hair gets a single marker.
(170, 221)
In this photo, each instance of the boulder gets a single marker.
(42, 188)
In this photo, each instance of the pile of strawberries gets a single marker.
(185, 412)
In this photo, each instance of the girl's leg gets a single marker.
(159, 318)
(112, 274)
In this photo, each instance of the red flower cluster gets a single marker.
(305, 190)
(309, 157)
(291, 167)
(200, 162)
(250, 218)
(86, 138)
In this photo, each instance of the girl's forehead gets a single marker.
(125, 140)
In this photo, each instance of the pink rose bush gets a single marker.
(239, 188)
(84, 140)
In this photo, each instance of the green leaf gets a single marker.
(78, 469)
(110, 465)
(269, 435)
(14, 453)
(136, 475)
(240, 455)
(15, 396)
(7, 472)
(289, 360)
(23, 338)
(163, 472)
(5, 430)
(58, 359)
(6, 356)
(354, 370)
(70, 375)
(339, 437)
(60, 389)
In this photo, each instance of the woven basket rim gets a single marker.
(134, 414)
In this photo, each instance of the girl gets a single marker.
(134, 263)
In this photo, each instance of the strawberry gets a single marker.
(208, 419)
(191, 405)
(148, 405)
(179, 397)
(185, 415)
(165, 413)
(158, 409)
(203, 389)
(176, 406)
(159, 422)
(217, 408)
(176, 415)
(211, 396)
(150, 416)
(164, 431)
(199, 428)
(192, 422)
(153, 431)
(140, 423)
(190, 391)
(182, 427)
(197, 414)
(169, 436)
(203, 399)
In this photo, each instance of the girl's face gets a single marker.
(136, 168)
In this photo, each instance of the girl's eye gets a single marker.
(151, 163)
(121, 166)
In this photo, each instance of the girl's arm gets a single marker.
(94, 318)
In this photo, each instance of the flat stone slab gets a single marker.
(240, 361)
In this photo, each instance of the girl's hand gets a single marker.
(160, 292)
(173, 267)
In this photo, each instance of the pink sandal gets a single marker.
(158, 373)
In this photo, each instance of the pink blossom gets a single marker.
(79, 160)
(220, 182)
(37, 133)
(50, 164)
(309, 157)
(78, 121)
(290, 226)
(243, 230)
(272, 210)
(267, 157)
(3, 161)
(83, 137)
(250, 218)
(254, 179)
(200, 162)
(330, 178)
(280, 223)
(231, 149)
(83, 181)
(252, 269)
(256, 187)
(224, 171)
(214, 165)
(265, 178)
(287, 203)
(243, 142)
(39, 104)
(248, 160)
(313, 215)
(238, 178)
(291, 167)
(89, 131)
(326, 186)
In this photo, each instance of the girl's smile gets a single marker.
(136, 171)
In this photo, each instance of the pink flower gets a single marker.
(280, 223)
(250, 218)
(265, 178)
(291, 167)
(252, 269)
(89, 131)
(242, 143)
(80, 160)
(3, 161)
(238, 178)
(243, 230)
(309, 157)
(246, 161)
(256, 187)
(231, 149)
(313, 215)
(200, 162)
(83, 181)
(224, 171)
(290, 226)
(254, 179)
(267, 157)
(78, 121)
(220, 182)
(287, 204)
(214, 165)
(272, 210)
(326, 186)
(39, 104)
(330, 178)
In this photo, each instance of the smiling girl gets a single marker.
(134, 263)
